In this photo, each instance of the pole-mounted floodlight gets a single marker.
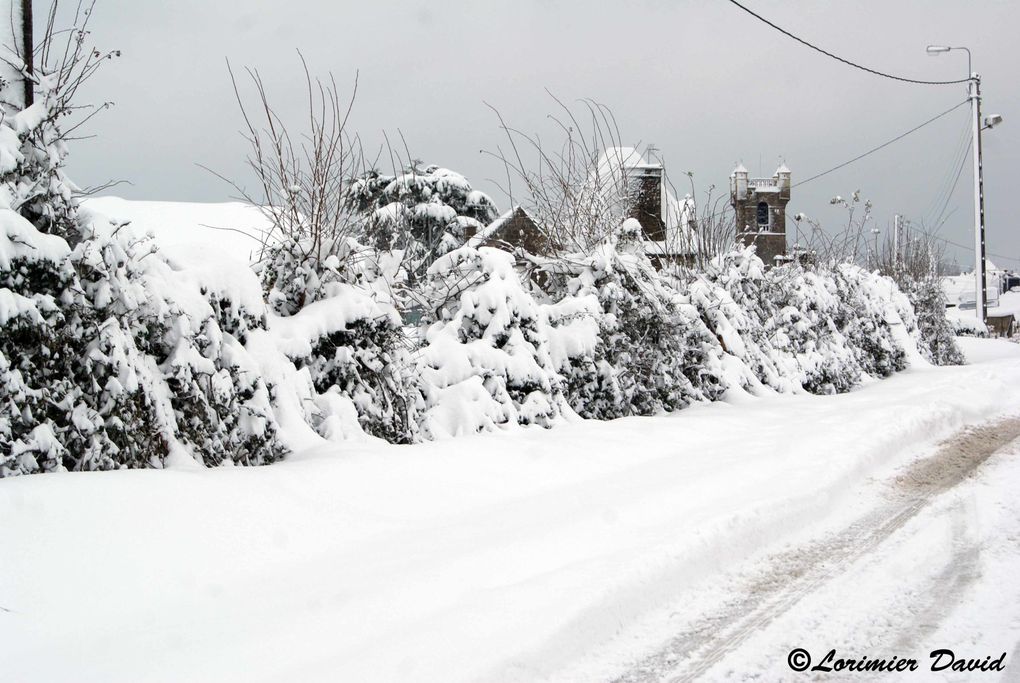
(992, 120)
(934, 50)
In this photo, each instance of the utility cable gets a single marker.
(938, 221)
(840, 59)
(958, 157)
(882, 146)
(957, 244)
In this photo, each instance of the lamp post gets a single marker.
(878, 261)
(974, 95)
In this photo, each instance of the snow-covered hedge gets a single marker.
(114, 355)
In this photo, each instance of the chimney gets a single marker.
(646, 200)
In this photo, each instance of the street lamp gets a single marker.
(974, 95)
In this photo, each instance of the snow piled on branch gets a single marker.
(486, 360)
(625, 342)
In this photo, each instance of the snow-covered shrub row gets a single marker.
(516, 338)
(115, 355)
(819, 327)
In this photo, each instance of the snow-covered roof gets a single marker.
(614, 158)
(486, 233)
(782, 169)
(739, 169)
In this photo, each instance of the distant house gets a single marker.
(515, 228)
(959, 289)
(624, 185)
(759, 205)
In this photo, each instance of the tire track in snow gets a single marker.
(947, 589)
(790, 575)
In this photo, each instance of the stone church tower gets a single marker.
(760, 208)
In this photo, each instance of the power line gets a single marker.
(957, 244)
(838, 58)
(963, 162)
(882, 146)
(861, 156)
(962, 144)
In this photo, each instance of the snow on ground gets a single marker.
(515, 556)
(945, 580)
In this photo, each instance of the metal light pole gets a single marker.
(974, 95)
(896, 243)
(878, 261)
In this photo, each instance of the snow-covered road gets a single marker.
(578, 553)
(892, 585)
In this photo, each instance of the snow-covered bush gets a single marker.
(424, 212)
(219, 406)
(642, 348)
(863, 318)
(295, 271)
(486, 359)
(732, 299)
(36, 356)
(76, 391)
(300, 189)
(968, 326)
(805, 328)
(937, 333)
(79, 394)
(222, 405)
(356, 352)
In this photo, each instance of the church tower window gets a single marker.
(763, 216)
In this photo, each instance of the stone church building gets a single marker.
(760, 208)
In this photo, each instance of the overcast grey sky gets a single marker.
(707, 83)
